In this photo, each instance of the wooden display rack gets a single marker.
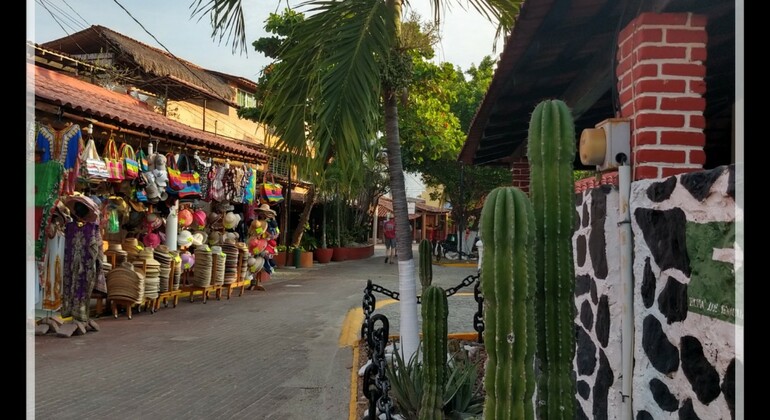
(205, 290)
(171, 294)
(240, 282)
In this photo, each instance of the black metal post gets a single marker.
(462, 215)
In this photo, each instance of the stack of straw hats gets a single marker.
(123, 283)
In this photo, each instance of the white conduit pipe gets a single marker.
(627, 287)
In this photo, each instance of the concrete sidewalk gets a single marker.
(273, 354)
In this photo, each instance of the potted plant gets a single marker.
(280, 256)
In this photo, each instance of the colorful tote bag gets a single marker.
(113, 161)
(175, 181)
(93, 168)
(130, 164)
(190, 178)
(271, 192)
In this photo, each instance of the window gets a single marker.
(245, 99)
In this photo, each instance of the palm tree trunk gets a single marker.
(304, 217)
(406, 279)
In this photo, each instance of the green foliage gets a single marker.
(551, 153)
(309, 242)
(508, 286)
(425, 254)
(462, 398)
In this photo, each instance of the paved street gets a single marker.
(274, 354)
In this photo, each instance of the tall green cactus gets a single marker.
(425, 252)
(508, 287)
(551, 153)
(435, 314)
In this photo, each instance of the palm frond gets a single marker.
(227, 22)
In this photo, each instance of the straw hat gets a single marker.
(184, 239)
(83, 208)
(199, 238)
(231, 220)
(255, 264)
(264, 208)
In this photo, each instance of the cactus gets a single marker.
(435, 313)
(426, 263)
(508, 287)
(551, 152)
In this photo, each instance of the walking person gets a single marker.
(389, 234)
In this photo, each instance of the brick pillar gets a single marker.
(661, 84)
(520, 172)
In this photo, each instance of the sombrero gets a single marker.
(264, 208)
(83, 208)
(231, 220)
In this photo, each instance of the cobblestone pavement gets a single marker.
(275, 354)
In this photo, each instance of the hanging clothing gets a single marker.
(82, 268)
(63, 146)
(53, 272)
(47, 190)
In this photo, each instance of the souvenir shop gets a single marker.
(129, 221)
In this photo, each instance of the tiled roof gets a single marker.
(122, 110)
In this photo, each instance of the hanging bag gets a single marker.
(141, 160)
(113, 160)
(191, 179)
(175, 182)
(93, 168)
(271, 192)
(130, 164)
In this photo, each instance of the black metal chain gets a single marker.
(478, 317)
(473, 278)
(376, 384)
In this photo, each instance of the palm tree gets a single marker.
(347, 67)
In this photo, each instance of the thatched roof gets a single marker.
(158, 68)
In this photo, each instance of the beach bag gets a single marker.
(270, 191)
(141, 160)
(190, 178)
(92, 167)
(113, 161)
(175, 181)
(130, 164)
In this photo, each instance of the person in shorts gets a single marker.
(389, 235)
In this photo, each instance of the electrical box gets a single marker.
(607, 145)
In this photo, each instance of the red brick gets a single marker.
(686, 36)
(653, 52)
(645, 172)
(625, 81)
(676, 69)
(648, 35)
(697, 86)
(624, 65)
(661, 155)
(646, 138)
(626, 33)
(626, 48)
(660, 120)
(676, 170)
(698, 53)
(646, 102)
(697, 121)
(684, 138)
(682, 104)
(651, 18)
(626, 96)
(697, 157)
(661, 85)
(645, 70)
(698, 21)
(627, 110)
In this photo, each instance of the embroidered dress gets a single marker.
(82, 267)
(54, 272)
(47, 186)
(63, 146)
(203, 168)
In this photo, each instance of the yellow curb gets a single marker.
(353, 407)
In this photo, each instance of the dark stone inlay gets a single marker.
(644, 415)
(583, 389)
(606, 188)
(582, 284)
(603, 321)
(576, 222)
(594, 294)
(604, 380)
(648, 284)
(597, 241)
(728, 387)
(586, 315)
(672, 301)
(731, 181)
(661, 191)
(687, 412)
(586, 217)
(663, 355)
(703, 377)
(663, 396)
(580, 245)
(578, 199)
(585, 353)
(664, 234)
(699, 184)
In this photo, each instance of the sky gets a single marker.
(467, 36)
